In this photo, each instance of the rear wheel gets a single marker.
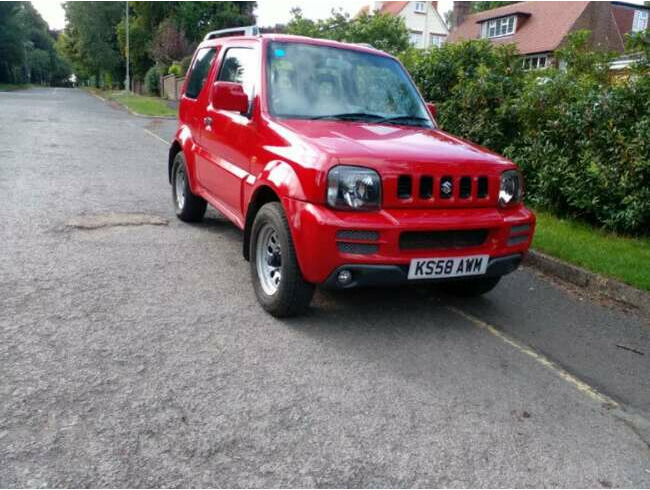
(278, 282)
(468, 288)
(188, 207)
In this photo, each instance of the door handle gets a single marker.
(207, 121)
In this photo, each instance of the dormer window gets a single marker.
(503, 26)
(640, 21)
(420, 7)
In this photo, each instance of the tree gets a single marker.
(27, 47)
(169, 44)
(482, 6)
(383, 31)
(90, 42)
(196, 19)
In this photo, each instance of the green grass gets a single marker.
(147, 106)
(626, 259)
(6, 87)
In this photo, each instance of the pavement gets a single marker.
(133, 352)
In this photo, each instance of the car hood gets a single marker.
(384, 146)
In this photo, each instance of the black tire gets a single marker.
(293, 293)
(192, 208)
(469, 288)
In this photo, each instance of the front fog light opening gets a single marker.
(344, 277)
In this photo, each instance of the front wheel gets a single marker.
(468, 288)
(278, 282)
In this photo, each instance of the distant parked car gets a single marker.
(328, 159)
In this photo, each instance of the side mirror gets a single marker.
(229, 96)
(432, 110)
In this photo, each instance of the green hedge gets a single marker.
(581, 138)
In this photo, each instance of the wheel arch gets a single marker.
(264, 194)
(174, 150)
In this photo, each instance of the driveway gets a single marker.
(133, 351)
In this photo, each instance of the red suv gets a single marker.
(329, 160)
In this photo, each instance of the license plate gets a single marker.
(474, 265)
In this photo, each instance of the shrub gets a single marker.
(152, 81)
(185, 64)
(175, 69)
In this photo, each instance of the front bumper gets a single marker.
(395, 275)
(316, 232)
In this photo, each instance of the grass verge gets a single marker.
(147, 106)
(625, 259)
(144, 105)
(7, 87)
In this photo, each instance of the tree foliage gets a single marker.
(482, 6)
(383, 31)
(160, 33)
(27, 47)
(90, 42)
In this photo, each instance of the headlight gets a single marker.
(511, 189)
(355, 188)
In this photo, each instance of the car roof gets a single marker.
(295, 39)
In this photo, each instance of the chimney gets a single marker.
(435, 6)
(460, 12)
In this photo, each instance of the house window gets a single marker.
(503, 26)
(536, 62)
(420, 7)
(640, 21)
(415, 38)
(437, 40)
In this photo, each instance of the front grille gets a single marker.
(482, 187)
(426, 187)
(357, 248)
(462, 189)
(415, 240)
(465, 187)
(404, 186)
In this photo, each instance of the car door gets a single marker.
(228, 137)
(194, 99)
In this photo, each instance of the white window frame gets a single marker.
(420, 7)
(415, 38)
(534, 61)
(436, 40)
(499, 27)
(640, 22)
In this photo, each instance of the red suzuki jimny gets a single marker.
(329, 160)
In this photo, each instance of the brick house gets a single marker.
(630, 17)
(540, 28)
(425, 25)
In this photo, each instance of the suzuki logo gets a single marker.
(446, 187)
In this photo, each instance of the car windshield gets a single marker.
(308, 81)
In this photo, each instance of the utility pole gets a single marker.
(127, 82)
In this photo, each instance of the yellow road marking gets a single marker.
(544, 361)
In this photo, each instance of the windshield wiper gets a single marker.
(403, 118)
(349, 115)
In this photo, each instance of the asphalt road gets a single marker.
(133, 352)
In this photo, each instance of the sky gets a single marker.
(269, 12)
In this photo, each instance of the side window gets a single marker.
(199, 72)
(240, 66)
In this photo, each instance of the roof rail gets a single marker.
(233, 31)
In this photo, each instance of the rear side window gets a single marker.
(199, 72)
(240, 66)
